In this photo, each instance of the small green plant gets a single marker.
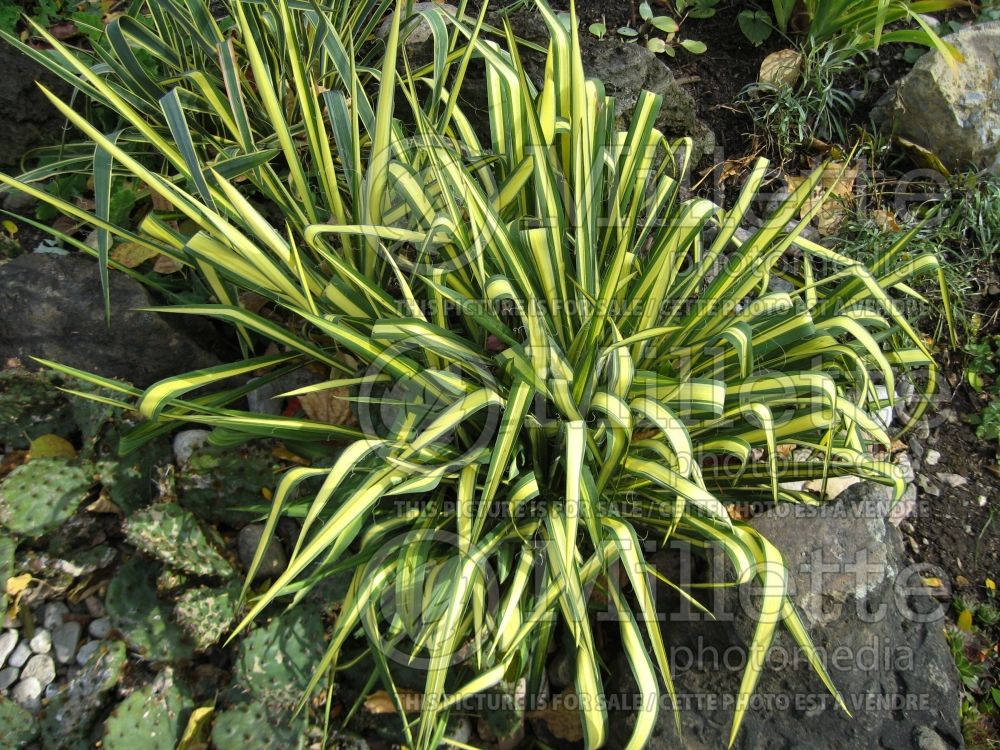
(665, 25)
(790, 115)
(852, 27)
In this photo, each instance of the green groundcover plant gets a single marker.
(550, 351)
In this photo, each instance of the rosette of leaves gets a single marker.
(559, 353)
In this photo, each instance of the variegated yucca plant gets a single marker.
(553, 353)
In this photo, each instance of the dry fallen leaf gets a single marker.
(562, 720)
(166, 265)
(964, 621)
(131, 254)
(330, 406)
(834, 209)
(781, 68)
(103, 504)
(380, 702)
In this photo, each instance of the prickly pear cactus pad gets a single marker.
(40, 495)
(17, 726)
(152, 718)
(169, 533)
(205, 614)
(254, 726)
(277, 661)
(129, 480)
(31, 406)
(145, 621)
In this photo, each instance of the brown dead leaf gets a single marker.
(885, 220)
(739, 512)
(562, 720)
(166, 265)
(781, 68)
(11, 461)
(834, 209)
(132, 254)
(785, 450)
(66, 225)
(104, 505)
(329, 407)
(63, 31)
(380, 702)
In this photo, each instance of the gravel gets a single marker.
(86, 651)
(20, 655)
(100, 627)
(54, 614)
(7, 643)
(65, 639)
(41, 642)
(41, 667)
(8, 677)
(27, 693)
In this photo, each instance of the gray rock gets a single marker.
(8, 677)
(954, 113)
(41, 667)
(273, 562)
(7, 643)
(41, 642)
(29, 119)
(87, 650)
(925, 738)
(65, 639)
(50, 307)
(100, 627)
(186, 442)
(19, 655)
(54, 614)
(27, 693)
(877, 630)
(94, 606)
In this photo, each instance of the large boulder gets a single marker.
(28, 120)
(953, 111)
(50, 307)
(877, 629)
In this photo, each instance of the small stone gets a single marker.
(100, 627)
(41, 642)
(272, 563)
(20, 655)
(26, 693)
(86, 651)
(65, 639)
(7, 643)
(925, 738)
(54, 614)
(41, 667)
(952, 480)
(186, 442)
(982, 501)
(8, 677)
(932, 457)
(95, 607)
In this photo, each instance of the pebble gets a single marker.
(95, 607)
(86, 651)
(273, 562)
(26, 693)
(8, 677)
(41, 642)
(20, 655)
(7, 643)
(41, 667)
(933, 457)
(65, 639)
(54, 614)
(100, 627)
(186, 442)
(952, 480)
